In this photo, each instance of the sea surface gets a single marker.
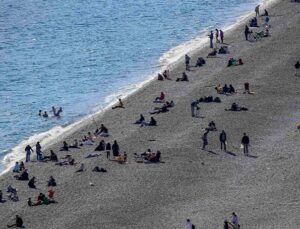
(81, 55)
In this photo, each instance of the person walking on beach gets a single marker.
(38, 150)
(28, 151)
(189, 225)
(194, 106)
(257, 10)
(245, 144)
(223, 140)
(217, 36)
(297, 67)
(211, 37)
(222, 36)
(204, 140)
(247, 31)
(187, 62)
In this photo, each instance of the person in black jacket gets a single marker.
(245, 143)
(115, 149)
(19, 222)
(223, 140)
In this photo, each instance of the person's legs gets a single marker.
(193, 114)
(246, 149)
(27, 157)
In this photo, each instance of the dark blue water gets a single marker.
(75, 53)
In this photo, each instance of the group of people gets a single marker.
(218, 34)
(56, 113)
(234, 62)
(225, 89)
(164, 76)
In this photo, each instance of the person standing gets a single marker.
(257, 10)
(222, 36)
(297, 67)
(247, 31)
(187, 62)
(38, 150)
(223, 140)
(194, 106)
(28, 151)
(245, 143)
(211, 38)
(204, 139)
(108, 149)
(217, 36)
(115, 149)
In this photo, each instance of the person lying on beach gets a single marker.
(211, 126)
(236, 107)
(200, 62)
(166, 74)
(16, 168)
(23, 176)
(234, 62)
(120, 105)
(98, 169)
(65, 147)
(18, 223)
(81, 168)
(31, 183)
(103, 131)
(51, 182)
(183, 78)
(223, 50)
(68, 161)
(52, 157)
(140, 120)
(158, 110)
(13, 196)
(212, 54)
(75, 145)
(86, 141)
(101, 146)
(91, 155)
(160, 99)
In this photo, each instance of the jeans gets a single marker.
(27, 157)
(246, 149)
(223, 144)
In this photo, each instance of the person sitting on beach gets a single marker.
(160, 77)
(160, 99)
(98, 169)
(51, 196)
(213, 53)
(153, 158)
(231, 89)
(152, 122)
(75, 145)
(120, 105)
(183, 78)
(166, 74)
(45, 115)
(212, 126)
(65, 147)
(200, 62)
(247, 88)
(101, 146)
(103, 131)
(31, 183)
(140, 120)
(23, 176)
(81, 168)
(22, 166)
(17, 168)
(13, 196)
(169, 104)
(219, 89)
(115, 148)
(86, 141)
(51, 182)
(240, 61)
(53, 156)
(225, 89)
(297, 68)
(18, 223)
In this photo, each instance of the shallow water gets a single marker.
(75, 54)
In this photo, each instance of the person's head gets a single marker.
(244, 135)
(115, 141)
(120, 100)
(223, 131)
(188, 220)
(17, 163)
(40, 111)
(233, 212)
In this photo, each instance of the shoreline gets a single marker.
(52, 135)
(205, 186)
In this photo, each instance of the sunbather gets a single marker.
(212, 54)
(119, 105)
(23, 176)
(183, 78)
(166, 74)
(31, 183)
(236, 107)
(101, 146)
(81, 168)
(68, 161)
(103, 131)
(51, 182)
(98, 169)
(17, 168)
(160, 99)
(65, 147)
(140, 120)
(158, 110)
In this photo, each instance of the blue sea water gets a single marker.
(74, 54)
